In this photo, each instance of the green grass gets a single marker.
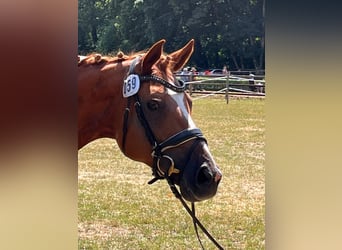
(119, 210)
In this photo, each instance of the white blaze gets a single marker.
(179, 98)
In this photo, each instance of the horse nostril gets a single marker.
(204, 176)
(218, 177)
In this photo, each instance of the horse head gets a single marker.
(157, 126)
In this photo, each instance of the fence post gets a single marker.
(191, 78)
(227, 87)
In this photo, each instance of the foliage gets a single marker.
(227, 32)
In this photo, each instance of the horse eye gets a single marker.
(153, 104)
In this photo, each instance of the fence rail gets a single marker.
(246, 85)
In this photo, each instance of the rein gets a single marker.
(158, 149)
(192, 213)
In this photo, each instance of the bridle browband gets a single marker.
(159, 148)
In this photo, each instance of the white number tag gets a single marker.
(131, 85)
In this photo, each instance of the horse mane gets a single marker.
(96, 58)
(165, 63)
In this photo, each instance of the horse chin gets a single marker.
(201, 177)
(193, 194)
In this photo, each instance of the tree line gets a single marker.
(226, 32)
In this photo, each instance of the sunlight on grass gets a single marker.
(119, 210)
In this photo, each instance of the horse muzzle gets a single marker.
(201, 176)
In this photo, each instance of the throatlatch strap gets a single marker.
(125, 125)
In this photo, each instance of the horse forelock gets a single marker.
(163, 68)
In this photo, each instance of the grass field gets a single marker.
(117, 209)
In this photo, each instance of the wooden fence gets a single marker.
(229, 85)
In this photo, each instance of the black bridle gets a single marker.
(159, 148)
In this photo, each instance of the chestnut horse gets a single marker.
(138, 101)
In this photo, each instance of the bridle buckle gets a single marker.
(171, 169)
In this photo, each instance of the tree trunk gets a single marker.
(241, 62)
(255, 63)
(235, 62)
(94, 34)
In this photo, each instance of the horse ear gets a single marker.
(181, 56)
(152, 56)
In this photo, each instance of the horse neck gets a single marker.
(100, 101)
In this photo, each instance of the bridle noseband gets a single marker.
(159, 148)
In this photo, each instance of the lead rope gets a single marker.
(193, 215)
